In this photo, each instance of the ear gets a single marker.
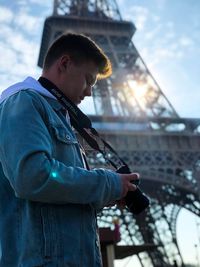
(63, 63)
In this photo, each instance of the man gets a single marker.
(48, 198)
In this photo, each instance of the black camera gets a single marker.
(136, 200)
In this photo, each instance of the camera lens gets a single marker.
(136, 201)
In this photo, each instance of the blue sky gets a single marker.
(167, 37)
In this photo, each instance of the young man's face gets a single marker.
(78, 80)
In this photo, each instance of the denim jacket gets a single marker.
(48, 200)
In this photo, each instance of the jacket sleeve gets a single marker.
(26, 157)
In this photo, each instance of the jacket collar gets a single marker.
(30, 84)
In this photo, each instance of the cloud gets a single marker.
(6, 15)
(150, 35)
(19, 56)
(28, 23)
(186, 41)
(120, 2)
(163, 42)
(155, 18)
(160, 3)
(138, 14)
(41, 3)
(19, 47)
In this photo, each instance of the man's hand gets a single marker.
(127, 184)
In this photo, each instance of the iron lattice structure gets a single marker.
(132, 113)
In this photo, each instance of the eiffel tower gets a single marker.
(132, 113)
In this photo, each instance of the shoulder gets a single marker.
(25, 96)
(23, 103)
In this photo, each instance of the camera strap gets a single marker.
(82, 124)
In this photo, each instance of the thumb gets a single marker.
(134, 176)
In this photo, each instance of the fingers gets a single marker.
(127, 182)
(121, 203)
(132, 176)
(132, 187)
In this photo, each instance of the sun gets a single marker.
(139, 91)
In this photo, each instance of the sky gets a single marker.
(167, 38)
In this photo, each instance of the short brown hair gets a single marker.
(81, 49)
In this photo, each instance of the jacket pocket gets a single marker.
(66, 147)
(63, 135)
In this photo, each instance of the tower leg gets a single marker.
(108, 255)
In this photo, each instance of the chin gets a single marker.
(75, 102)
(78, 102)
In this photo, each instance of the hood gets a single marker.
(30, 84)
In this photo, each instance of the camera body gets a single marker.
(136, 201)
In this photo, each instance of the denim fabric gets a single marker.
(48, 201)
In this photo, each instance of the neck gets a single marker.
(52, 76)
(47, 83)
(66, 102)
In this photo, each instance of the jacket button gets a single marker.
(68, 137)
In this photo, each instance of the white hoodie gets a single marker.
(28, 83)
